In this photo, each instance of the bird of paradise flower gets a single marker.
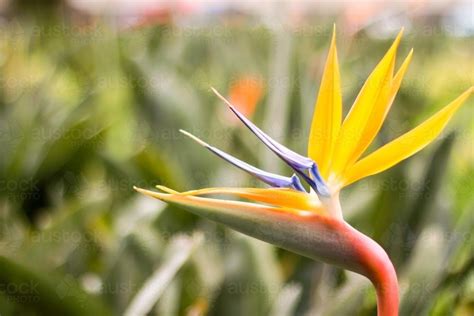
(310, 221)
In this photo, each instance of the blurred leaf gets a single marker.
(45, 292)
(285, 304)
(426, 197)
(178, 252)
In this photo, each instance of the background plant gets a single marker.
(91, 106)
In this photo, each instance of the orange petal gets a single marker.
(213, 205)
(280, 197)
(327, 114)
(405, 145)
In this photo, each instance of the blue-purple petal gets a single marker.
(271, 179)
(296, 161)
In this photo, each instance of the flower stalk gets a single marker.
(378, 268)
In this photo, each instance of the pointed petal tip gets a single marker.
(401, 72)
(142, 191)
(466, 94)
(166, 189)
(153, 194)
(392, 51)
(397, 40)
(409, 56)
(221, 97)
(406, 61)
(214, 90)
(195, 138)
(400, 33)
(332, 45)
(463, 97)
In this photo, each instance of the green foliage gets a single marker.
(86, 113)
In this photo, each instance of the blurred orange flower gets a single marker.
(245, 93)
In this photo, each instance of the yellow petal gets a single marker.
(397, 80)
(275, 196)
(379, 113)
(371, 103)
(166, 189)
(327, 115)
(405, 145)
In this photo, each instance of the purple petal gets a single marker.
(272, 179)
(294, 159)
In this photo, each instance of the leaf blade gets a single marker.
(180, 250)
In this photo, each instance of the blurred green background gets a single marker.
(91, 100)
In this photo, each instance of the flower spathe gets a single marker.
(310, 222)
